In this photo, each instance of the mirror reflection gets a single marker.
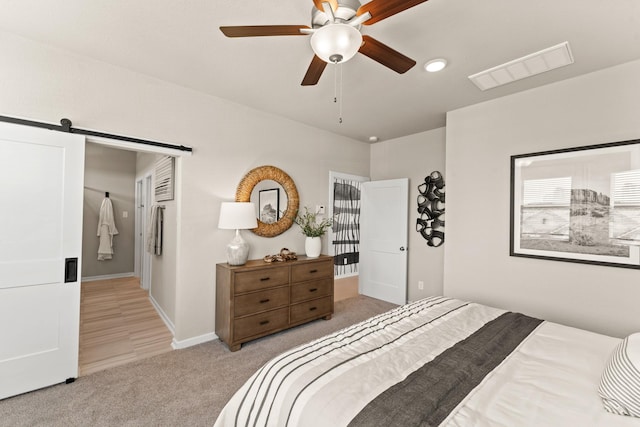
(270, 200)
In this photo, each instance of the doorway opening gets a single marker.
(134, 279)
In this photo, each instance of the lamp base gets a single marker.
(237, 250)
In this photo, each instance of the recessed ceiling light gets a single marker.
(435, 65)
(373, 139)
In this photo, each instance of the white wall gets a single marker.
(415, 157)
(596, 108)
(46, 84)
(162, 289)
(240, 140)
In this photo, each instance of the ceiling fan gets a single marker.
(335, 34)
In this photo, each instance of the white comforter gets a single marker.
(551, 379)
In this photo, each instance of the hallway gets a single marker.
(118, 325)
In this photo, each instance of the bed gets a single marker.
(440, 362)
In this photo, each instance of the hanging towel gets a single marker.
(154, 231)
(106, 230)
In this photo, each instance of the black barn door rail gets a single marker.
(65, 126)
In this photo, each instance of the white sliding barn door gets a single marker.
(383, 240)
(41, 188)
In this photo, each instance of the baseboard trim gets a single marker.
(175, 344)
(107, 277)
(189, 342)
(163, 316)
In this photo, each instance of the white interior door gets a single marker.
(145, 280)
(41, 188)
(142, 258)
(139, 247)
(383, 240)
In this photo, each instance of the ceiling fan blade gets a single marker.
(318, 3)
(263, 30)
(385, 55)
(381, 9)
(314, 71)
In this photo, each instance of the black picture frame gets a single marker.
(269, 205)
(578, 205)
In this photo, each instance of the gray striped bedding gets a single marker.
(409, 366)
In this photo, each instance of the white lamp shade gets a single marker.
(237, 216)
(336, 42)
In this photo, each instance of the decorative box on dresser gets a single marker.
(259, 298)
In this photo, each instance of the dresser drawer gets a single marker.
(310, 309)
(254, 280)
(260, 323)
(312, 289)
(310, 271)
(260, 301)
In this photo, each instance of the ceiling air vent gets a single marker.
(547, 59)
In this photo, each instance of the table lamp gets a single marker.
(237, 216)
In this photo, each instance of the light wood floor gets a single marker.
(118, 325)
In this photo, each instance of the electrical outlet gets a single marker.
(320, 209)
(420, 285)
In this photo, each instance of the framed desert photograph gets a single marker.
(578, 204)
(269, 205)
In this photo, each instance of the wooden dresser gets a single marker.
(258, 298)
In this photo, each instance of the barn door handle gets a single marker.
(70, 270)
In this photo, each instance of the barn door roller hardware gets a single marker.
(66, 126)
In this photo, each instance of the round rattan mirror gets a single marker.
(261, 173)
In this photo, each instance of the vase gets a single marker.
(313, 246)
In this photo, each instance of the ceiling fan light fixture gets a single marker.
(435, 65)
(335, 43)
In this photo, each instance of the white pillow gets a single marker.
(620, 382)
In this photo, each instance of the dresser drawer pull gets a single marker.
(313, 271)
(262, 301)
(264, 279)
(313, 308)
(264, 322)
(313, 289)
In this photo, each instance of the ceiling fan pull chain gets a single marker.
(340, 97)
(335, 82)
(337, 98)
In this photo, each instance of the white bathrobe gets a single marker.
(106, 230)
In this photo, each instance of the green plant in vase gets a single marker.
(313, 229)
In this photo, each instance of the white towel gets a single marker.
(154, 231)
(106, 230)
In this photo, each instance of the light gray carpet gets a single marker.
(182, 388)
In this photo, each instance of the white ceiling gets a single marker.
(179, 41)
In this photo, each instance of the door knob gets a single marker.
(401, 248)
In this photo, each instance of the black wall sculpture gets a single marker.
(430, 224)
